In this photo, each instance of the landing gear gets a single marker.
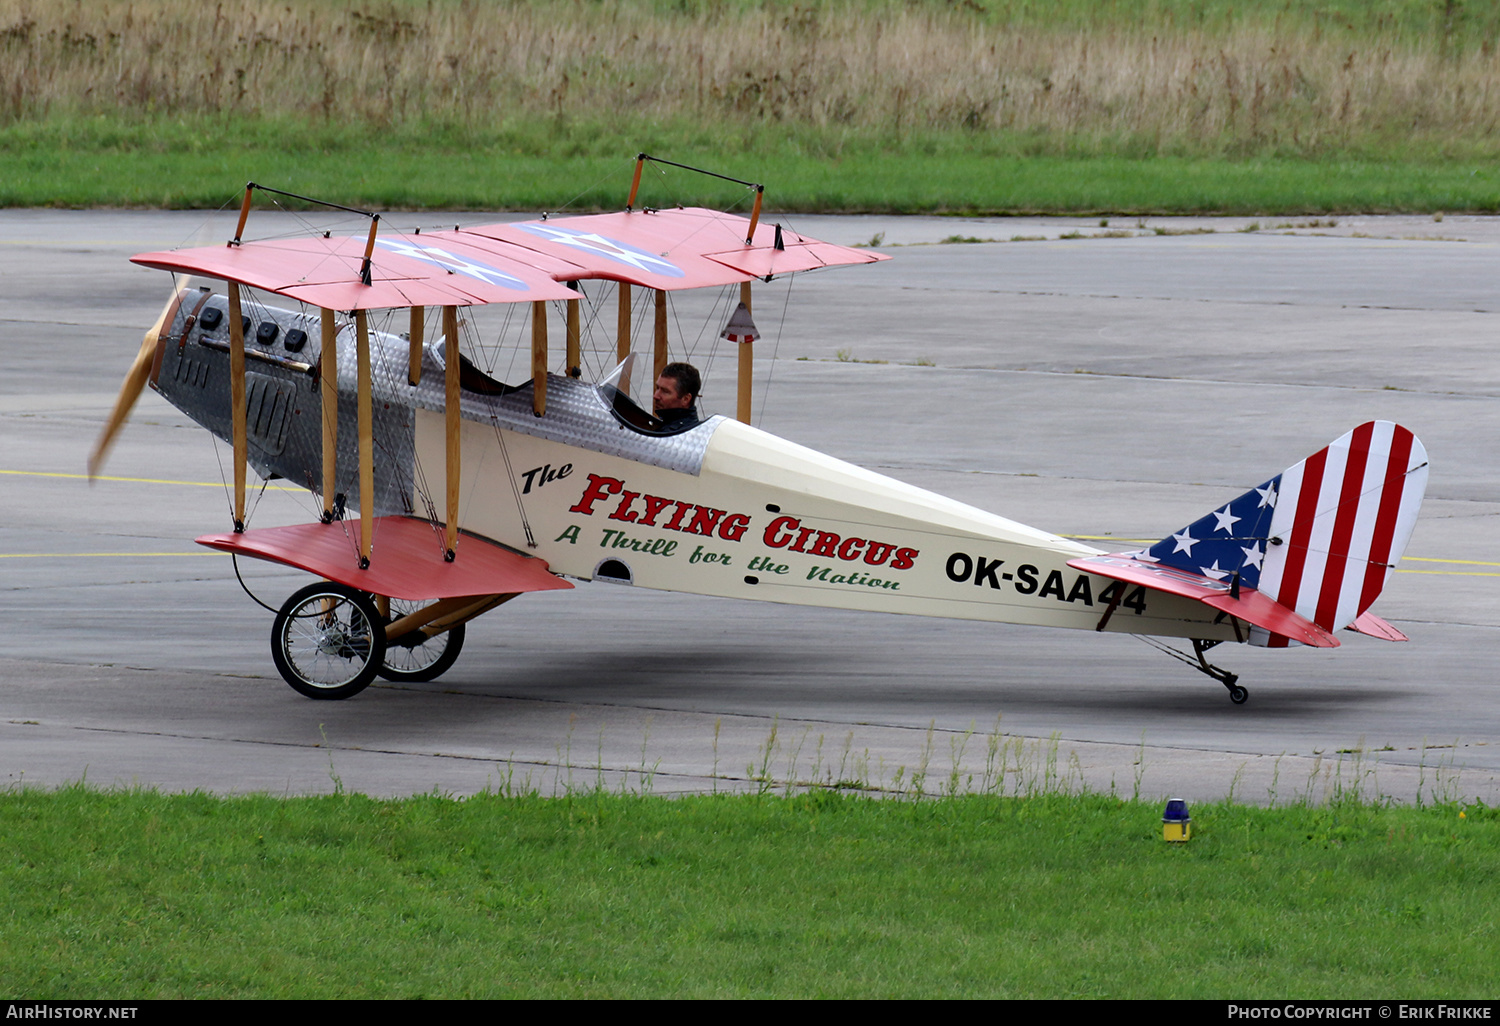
(331, 640)
(328, 641)
(1237, 694)
(414, 657)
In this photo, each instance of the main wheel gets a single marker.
(414, 657)
(1238, 695)
(328, 641)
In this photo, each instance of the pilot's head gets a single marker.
(677, 387)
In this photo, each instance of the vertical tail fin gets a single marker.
(1343, 519)
(1322, 537)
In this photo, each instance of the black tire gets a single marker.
(328, 641)
(1238, 695)
(411, 662)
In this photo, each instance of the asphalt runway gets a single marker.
(1117, 385)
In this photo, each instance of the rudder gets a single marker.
(1322, 537)
(1343, 518)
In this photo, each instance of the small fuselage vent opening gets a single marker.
(614, 571)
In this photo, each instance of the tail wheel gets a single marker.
(328, 641)
(1237, 694)
(414, 657)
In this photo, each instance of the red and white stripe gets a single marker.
(1343, 517)
(740, 327)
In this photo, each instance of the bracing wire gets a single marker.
(589, 343)
(255, 505)
(595, 184)
(422, 499)
(717, 314)
(305, 225)
(786, 302)
(1168, 649)
(515, 489)
(202, 230)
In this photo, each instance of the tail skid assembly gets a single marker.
(1237, 694)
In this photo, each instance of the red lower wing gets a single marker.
(406, 559)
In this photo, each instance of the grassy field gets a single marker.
(140, 895)
(1263, 106)
(179, 167)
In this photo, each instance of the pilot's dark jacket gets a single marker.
(673, 417)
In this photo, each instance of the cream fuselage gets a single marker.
(764, 518)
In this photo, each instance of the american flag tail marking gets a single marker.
(1322, 537)
(1357, 505)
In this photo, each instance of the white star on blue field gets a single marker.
(611, 249)
(1230, 539)
(450, 262)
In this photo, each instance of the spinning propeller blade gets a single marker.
(135, 381)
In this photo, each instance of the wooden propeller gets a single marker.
(135, 382)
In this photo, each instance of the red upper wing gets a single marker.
(405, 270)
(683, 248)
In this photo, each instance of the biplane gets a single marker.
(445, 492)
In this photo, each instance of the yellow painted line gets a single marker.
(143, 480)
(1405, 559)
(284, 488)
(67, 242)
(98, 555)
(1111, 538)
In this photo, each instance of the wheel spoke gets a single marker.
(326, 641)
(412, 658)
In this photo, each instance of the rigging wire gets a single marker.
(491, 353)
(383, 369)
(469, 331)
(716, 315)
(595, 184)
(765, 394)
(228, 488)
(510, 477)
(260, 494)
(423, 493)
(305, 224)
(202, 231)
(588, 344)
(1169, 650)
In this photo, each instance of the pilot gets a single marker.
(676, 394)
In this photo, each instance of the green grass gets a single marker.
(139, 895)
(1265, 107)
(203, 163)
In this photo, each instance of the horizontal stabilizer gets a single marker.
(406, 559)
(1249, 605)
(1375, 627)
